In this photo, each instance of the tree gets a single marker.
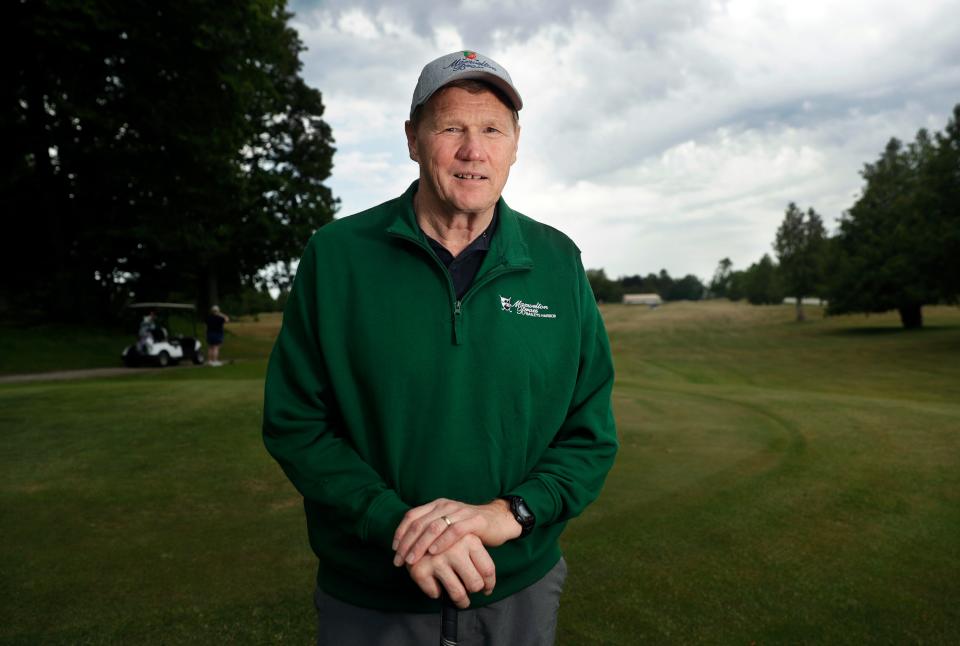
(941, 201)
(156, 149)
(737, 286)
(762, 284)
(800, 247)
(688, 288)
(604, 289)
(649, 284)
(720, 284)
(898, 245)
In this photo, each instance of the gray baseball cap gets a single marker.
(463, 65)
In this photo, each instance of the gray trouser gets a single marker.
(527, 618)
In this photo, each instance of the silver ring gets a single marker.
(447, 521)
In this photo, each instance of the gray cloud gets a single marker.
(655, 133)
(483, 24)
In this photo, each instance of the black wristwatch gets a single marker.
(522, 513)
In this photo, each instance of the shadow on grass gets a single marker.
(889, 330)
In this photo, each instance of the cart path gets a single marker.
(87, 373)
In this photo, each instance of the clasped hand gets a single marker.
(443, 543)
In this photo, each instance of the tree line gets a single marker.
(896, 248)
(606, 290)
(155, 151)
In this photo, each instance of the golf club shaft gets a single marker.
(448, 620)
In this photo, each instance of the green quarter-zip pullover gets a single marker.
(382, 395)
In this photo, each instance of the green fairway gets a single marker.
(43, 348)
(778, 483)
(40, 348)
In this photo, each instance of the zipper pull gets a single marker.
(457, 317)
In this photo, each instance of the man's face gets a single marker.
(465, 144)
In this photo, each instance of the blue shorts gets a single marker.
(214, 338)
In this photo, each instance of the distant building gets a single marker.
(807, 300)
(650, 300)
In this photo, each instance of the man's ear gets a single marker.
(411, 140)
(516, 145)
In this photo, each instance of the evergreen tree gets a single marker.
(899, 244)
(800, 246)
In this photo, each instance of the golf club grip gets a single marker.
(448, 621)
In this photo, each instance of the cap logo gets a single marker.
(469, 61)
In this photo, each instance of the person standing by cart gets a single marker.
(215, 322)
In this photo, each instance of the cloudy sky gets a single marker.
(656, 134)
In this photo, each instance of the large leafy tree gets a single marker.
(800, 245)
(162, 149)
(899, 244)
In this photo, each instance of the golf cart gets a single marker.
(155, 344)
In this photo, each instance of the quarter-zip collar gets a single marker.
(508, 247)
(508, 252)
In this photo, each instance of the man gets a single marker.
(215, 333)
(148, 327)
(440, 390)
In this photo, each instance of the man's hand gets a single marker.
(465, 567)
(434, 527)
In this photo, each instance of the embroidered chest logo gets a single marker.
(535, 310)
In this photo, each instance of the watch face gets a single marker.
(520, 511)
(523, 510)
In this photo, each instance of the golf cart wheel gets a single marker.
(198, 358)
(130, 360)
(163, 359)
